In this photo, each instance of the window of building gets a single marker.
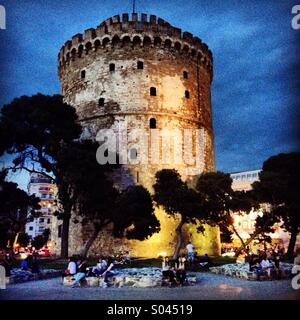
(83, 74)
(152, 123)
(30, 228)
(187, 94)
(101, 102)
(112, 67)
(185, 75)
(152, 91)
(137, 177)
(59, 231)
(140, 65)
(48, 220)
(133, 154)
(42, 220)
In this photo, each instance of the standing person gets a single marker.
(108, 272)
(180, 270)
(167, 271)
(7, 264)
(190, 252)
(81, 273)
(35, 267)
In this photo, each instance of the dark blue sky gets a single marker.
(255, 90)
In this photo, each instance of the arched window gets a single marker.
(185, 75)
(187, 94)
(133, 154)
(82, 74)
(112, 67)
(101, 102)
(152, 91)
(152, 123)
(140, 65)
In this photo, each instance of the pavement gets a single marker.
(209, 287)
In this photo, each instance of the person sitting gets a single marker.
(80, 275)
(167, 271)
(267, 266)
(24, 265)
(71, 269)
(100, 267)
(180, 270)
(204, 262)
(297, 258)
(127, 257)
(108, 272)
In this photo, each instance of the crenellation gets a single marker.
(183, 42)
(152, 20)
(116, 19)
(90, 34)
(125, 18)
(134, 17)
(144, 18)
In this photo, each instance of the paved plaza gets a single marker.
(209, 287)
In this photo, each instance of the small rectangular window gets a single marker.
(185, 75)
(112, 67)
(140, 65)
(152, 91)
(101, 102)
(187, 94)
(83, 74)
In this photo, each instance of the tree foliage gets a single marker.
(279, 185)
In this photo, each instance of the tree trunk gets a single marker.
(292, 243)
(240, 238)
(179, 240)
(90, 241)
(65, 236)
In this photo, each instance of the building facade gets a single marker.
(245, 223)
(44, 189)
(139, 72)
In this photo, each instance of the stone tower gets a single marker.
(150, 75)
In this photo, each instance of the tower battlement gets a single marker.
(136, 31)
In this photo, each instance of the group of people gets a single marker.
(177, 271)
(79, 269)
(266, 263)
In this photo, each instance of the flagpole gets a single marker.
(133, 6)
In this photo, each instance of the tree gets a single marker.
(134, 215)
(34, 129)
(98, 202)
(176, 197)
(16, 209)
(219, 201)
(278, 185)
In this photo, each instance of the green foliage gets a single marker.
(279, 185)
(23, 239)
(15, 205)
(134, 214)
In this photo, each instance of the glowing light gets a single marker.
(162, 254)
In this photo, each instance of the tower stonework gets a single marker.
(145, 73)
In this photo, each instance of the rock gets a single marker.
(92, 281)
(241, 271)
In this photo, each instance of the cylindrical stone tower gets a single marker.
(148, 75)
